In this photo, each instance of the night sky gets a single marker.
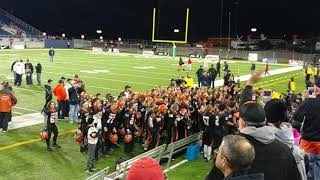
(133, 18)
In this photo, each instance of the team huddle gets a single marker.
(152, 118)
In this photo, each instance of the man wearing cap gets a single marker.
(307, 119)
(272, 158)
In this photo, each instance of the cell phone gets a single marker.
(266, 96)
(310, 90)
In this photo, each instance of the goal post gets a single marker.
(174, 42)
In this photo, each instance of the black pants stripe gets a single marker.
(52, 128)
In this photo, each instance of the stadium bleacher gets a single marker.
(5, 33)
(9, 21)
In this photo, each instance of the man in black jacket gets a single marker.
(38, 71)
(307, 119)
(51, 54)
(273, 158)
(218, 67)
(29, 71)
(199, 75)
(213, 75)
(74, 101)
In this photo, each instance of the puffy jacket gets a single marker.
(60, 92)
(7, 100)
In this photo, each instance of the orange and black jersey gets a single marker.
(108, 119)
(52, 115)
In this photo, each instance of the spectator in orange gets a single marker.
(61, 96)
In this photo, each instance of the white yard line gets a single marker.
(25, 109)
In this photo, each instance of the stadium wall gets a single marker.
(82, 44)
(48, 43)
(34, 44)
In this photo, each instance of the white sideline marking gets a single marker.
(273, 72)
(176, 165)
(25, 120)
(25, 109)
(143, 67)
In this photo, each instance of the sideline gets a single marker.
(32, 141)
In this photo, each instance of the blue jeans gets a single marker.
(314, 162)
(73, 113)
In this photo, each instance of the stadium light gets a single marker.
(101, 37)
(99, 31)
(176, 30)
(63, 35)
(82, 36)
(44, 34)
(253, 29)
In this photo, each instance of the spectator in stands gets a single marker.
(14, 73)
(19, 69)
(51, 54)
(38, 71)
(276, 114)
(308, 118)
(145, 169)
(235, 157)
(61, 96)
(29, 71)
(7, 100)
(272, 157)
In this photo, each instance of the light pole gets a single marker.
(229, 34)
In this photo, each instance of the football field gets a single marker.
(24, 156)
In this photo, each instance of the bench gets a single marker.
(99, 175)
(179, 146)
(122, 168)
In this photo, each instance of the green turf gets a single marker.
(34, 162)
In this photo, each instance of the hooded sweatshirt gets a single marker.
(285, 135)
(273, 158)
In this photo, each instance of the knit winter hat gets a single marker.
(145, 169)
(253, 113)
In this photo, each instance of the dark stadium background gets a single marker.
(133, 18)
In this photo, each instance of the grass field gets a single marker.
(103, 74)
